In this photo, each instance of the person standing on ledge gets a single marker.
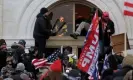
(42, 31)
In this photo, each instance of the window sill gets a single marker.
(56, 41)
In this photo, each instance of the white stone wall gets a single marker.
(19, 17)
(1, 18)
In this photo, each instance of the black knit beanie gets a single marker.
(22, 42)
(43, 10)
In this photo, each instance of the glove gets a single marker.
(53, 33)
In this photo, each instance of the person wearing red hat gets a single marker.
(54, 72)
(106, 30)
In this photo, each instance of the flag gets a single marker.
(128, 7)
(38, 63)
(54, 56)
(106, 63)
(96, 73)
(55, 67)
(89, 54)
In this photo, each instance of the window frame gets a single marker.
(83, 2)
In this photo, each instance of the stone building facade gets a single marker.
(17, 19)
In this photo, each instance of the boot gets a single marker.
(74, 35)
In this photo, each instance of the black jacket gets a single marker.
(105, 36)
(3, 55)
(42, 27)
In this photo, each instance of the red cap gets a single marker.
(56, 66)
(105, 14)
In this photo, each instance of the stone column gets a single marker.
(75, 50)
(1, 18)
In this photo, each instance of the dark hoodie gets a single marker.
(42, 27)
(105, 36)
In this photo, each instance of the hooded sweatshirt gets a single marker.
(43, 26)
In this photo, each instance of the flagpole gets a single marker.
(61, 49)
(125, 45)
(61, 60)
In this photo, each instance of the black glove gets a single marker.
(53, 33)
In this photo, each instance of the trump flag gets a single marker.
(89, 55)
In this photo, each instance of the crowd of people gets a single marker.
(16, 64)
(36, 64)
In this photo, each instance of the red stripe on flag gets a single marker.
(129, 13)
(38, 63)
(128, 4)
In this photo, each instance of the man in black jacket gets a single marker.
(106, 30)
(42, 31)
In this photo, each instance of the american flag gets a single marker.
(128, 7)
(54, 56)
(38, 63)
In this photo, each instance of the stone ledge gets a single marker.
(55, 42)
(65, 41)
(52, 42)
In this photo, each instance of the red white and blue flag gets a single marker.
(89, 55)
(38, 63)
(106, 63)
(128, 7)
